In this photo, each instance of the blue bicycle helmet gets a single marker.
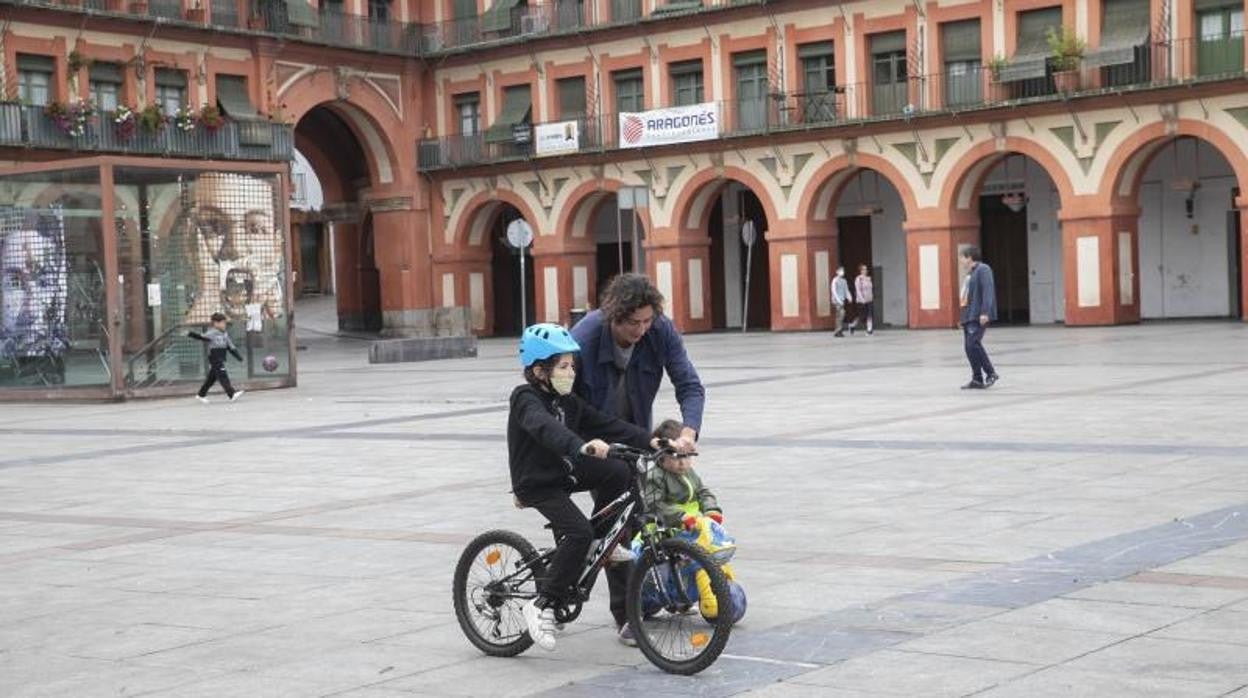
(543, 341)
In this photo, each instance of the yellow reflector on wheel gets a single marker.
(699, 639)
(492, 556)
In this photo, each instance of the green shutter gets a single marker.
(517, 103)
(498, 17)
(674, 6)
(571, 98)
(167, 77)
(37, 64)
(818, 49)
(892, 42)
(959, 41)
(300, 14)
(749, 58)
(465, 9)
(105, 72)
(232, 96)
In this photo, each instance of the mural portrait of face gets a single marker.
(237, 247)
(33, 289)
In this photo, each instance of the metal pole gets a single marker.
(636, 241)
(745, 303)
(524, 293)
(619, 235)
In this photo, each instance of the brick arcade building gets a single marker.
(1104, 185)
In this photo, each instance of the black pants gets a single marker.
(217, 373)
(973, 338)
(606, 479)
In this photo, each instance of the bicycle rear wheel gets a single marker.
(490, 587)
(660, 591)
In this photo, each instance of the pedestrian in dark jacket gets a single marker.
(979, 307)
(626, 346)
(557, 445)
(219, 343)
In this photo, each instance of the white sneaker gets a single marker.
(202, 399)
(541, 625)
(621, 555)
(237, 395)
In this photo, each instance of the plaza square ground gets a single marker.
(1080, 529)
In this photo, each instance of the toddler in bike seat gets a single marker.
(557, 445)
(676, 496)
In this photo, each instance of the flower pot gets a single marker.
(998, 92)
(255, 23)
(195, 14)
(139, 7)
(1066, 80)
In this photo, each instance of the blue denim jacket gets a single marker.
(659, 350)
(981, 295)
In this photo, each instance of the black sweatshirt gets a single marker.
(545, 433)
(218, 344)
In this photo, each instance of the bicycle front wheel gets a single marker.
(495, 577)
(662, 589)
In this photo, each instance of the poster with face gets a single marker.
(34, 284)
(236, 248)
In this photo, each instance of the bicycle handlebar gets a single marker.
(626, 452)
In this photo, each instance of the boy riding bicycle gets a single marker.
(552, 435)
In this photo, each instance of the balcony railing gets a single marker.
(28, 126)
(1155, 65)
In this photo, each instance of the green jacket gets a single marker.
(670, 496)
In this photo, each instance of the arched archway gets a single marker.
(739, 273)
(1181, 192)
(495, 292)
(1011, 199)
(610, 219)
(861, 210)
(342, 168)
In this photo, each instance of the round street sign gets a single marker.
(519, 234)
(749, 234)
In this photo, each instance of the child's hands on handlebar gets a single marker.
(596, 448)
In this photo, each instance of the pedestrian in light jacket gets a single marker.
(841, 298)
(979, 308)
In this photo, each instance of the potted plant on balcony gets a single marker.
(195, 13)
(998, 91)
(125, 122)
(1066, 49)
(76, 62)
(152, 119)
(256, 21)
(211, 118)
(138, 7)
(184, 119)
(70, 118)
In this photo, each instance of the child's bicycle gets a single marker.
(500, 571)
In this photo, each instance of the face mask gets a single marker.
(562, 383)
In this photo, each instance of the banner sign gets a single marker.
(699, 122)
(558, 138)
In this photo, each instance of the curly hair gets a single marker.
(626, 294)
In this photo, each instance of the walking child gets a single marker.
(219, 342)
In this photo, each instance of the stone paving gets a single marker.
(1080, 529)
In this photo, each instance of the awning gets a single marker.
(959, 41)
(300, 14)
(818, 49)
(516, 107)
(892, 42)
(674, 6)
(105, 72)
(1124, 27)
(168, 77)
(749, 58)
(498, 17)
(233, 99)
(1031, 57)
(36, 64)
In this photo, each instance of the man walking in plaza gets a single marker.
(841, 298)
(627, 344)
(979, 307)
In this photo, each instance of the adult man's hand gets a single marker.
(983, 320)
(687, 441)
